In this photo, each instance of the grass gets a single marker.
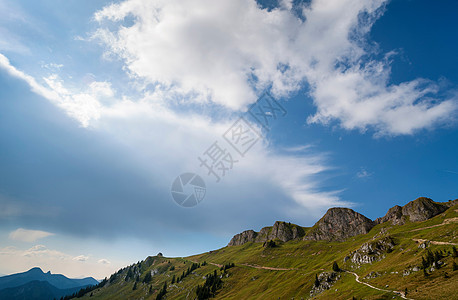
(306, 259)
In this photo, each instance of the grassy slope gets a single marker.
(305, 259)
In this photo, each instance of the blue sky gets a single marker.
(103, 104)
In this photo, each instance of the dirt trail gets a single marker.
(445, 222)
(434, 242)
(400, 294)
(269, 268)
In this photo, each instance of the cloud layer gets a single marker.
(27, 235)
(19, 260)
(226, 51)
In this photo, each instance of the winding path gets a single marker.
(400, 294)
(445, 222)
(434, 242)
(269, 268)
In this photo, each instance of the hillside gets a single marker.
(409, 250)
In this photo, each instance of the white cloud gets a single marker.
(26, 235)
(104, 261)
(363, 173)
(131, 122)
(84, 106)
(81, 258)
(207, 49)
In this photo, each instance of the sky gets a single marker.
(104, 104)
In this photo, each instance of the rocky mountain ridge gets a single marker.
(340, 223)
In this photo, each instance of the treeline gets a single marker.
(85, 290)
(212, 284)
(189, 271)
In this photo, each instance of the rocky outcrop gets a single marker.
(280, 231)
(420, 209)
(372, 251)
(338, 224)
(242, 238)
(285, 232)
(325, 281)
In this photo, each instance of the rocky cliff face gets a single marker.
(420, 209)
(281, 230)
(339, 224)
(244, 237)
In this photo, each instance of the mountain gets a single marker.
(420, 209)
(410, 253)
(339, 224)
(57, 280)
(281, 230)
(36, 290)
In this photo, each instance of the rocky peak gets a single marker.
(244, 237)
(285, 231)
(339, 224)
(281, 230)
(420, 209)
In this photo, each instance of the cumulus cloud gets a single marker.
(84, 106)
(227, 51)
(130, 120)
(26, 235)
(81, 258)
(104, 261)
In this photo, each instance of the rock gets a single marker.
(415, 269)
(242, 238)
(346, 258)
(280, 231)
(286, 231)
(372, 251)
(338, 224)
(327, 280)
(420, 209)
(423, 245)
(394, 215)
(372, 275)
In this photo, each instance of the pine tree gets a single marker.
(454, 266)
(147, 278)
(173, 279)
(317, 282)
(454, 252)
(135, 286)
(335, 267)
(424, 263)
